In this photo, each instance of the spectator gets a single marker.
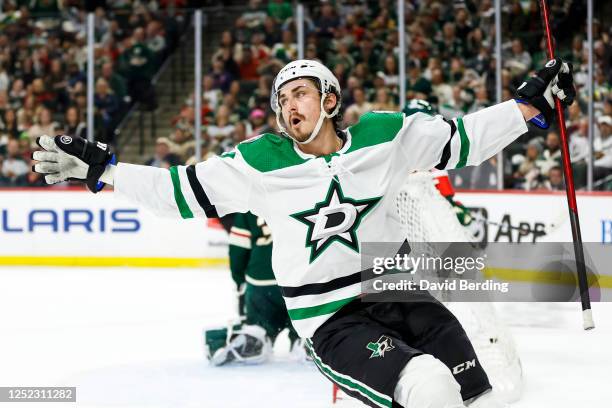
(417, 87)
(389, 74)
(555, 179)
(163, 157)
(280, 10)
(578, 143)
(529, 171)
(271, 30)
(14, 167)
(211, 94)
(440, 88)
(260, 97)
(327, 23)
(261, 52)
(342, 56)
(155, 38)
(222, 128)
(257, 123)
(552, 152)
(73, 125)
(286, 50)
(17, 93)
(44, 126)
(383, 101)
(138, 65)
(358, 108)
(58, 83)
(603, 148)
(115, 81)
(182, 141)
(8, 126)
(254, 15)
(229, 51)
(518, 61)
(107, 105)
(40, 93)
(222, 78)
(248, 66)
(4, 78)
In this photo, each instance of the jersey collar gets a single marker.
(347, 144)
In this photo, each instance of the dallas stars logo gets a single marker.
(336, 218)
(380, 347)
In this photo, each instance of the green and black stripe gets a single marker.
(209, 209)
(196, 187)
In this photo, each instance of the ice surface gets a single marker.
(133, 338)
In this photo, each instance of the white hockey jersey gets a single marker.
(321, 209)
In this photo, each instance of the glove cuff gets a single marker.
(544, 119)
(95, 172)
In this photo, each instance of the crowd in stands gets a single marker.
(43, 65)
(450, 63)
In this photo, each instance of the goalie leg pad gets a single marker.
(426, 382)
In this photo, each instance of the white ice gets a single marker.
(133, 338)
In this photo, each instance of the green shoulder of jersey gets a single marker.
(270, 152)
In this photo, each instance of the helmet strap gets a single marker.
(317, 128)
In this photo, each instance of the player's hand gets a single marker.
(555, 79)
(72, 158)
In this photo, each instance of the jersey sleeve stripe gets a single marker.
(240, 231)
(209, 209)
(446, 152)
(465, 145)
(239, 241)
(181, 203)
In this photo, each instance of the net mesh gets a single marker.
(426, 216)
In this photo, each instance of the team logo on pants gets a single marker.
(380, 347)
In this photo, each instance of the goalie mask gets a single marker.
(326, 82)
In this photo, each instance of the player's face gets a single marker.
(300, 103)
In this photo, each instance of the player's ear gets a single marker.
(330, 102)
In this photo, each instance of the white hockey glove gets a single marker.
(72, 158)
(555, 79)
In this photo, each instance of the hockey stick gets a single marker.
(587, 315)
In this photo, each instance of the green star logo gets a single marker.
(380, 347)
(335, 219)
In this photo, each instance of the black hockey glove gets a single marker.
(555, 79)
(72, 158)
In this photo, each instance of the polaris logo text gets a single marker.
(70, 220)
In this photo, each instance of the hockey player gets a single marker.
(260, 304)
(324, 191)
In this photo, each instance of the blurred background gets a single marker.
(163, 98)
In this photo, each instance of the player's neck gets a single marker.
(326, 142)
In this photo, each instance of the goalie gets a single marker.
(324, 191)
(263, 314)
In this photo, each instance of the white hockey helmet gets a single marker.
(326, 81)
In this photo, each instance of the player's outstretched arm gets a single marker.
(475, 137)
(213, 188)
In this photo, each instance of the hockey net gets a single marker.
(426, 216)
